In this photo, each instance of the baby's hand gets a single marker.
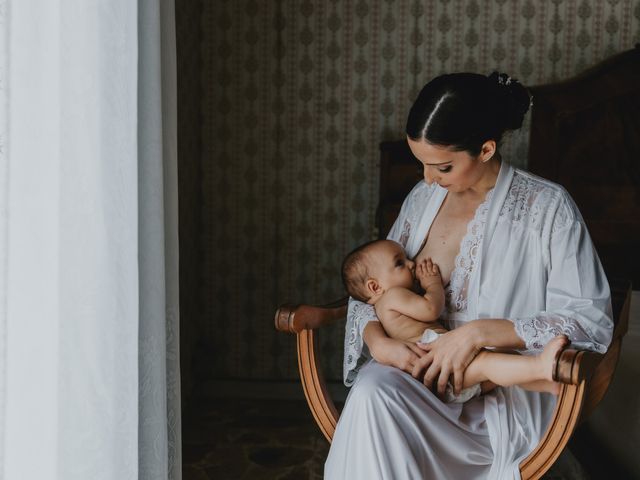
(428, 274)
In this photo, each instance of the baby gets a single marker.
(380, 274)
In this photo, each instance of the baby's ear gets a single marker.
(373, 287)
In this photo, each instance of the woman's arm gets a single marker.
(385, 350)
(365, 338)
(450, 354)
(578, 299)
(577, 304)
(496, 332)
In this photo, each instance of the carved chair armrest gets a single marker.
(304, 320)
(292, 318)
(575, 365)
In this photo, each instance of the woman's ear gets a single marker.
(487, 151)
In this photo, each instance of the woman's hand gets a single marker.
(402, 355)
(385, 350)
(447, 356)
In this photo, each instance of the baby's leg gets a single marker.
(537, 386)
(531, 372)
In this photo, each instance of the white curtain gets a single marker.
(89, 378)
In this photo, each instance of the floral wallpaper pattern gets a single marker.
(295, 97)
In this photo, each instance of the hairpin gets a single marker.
(504, 79)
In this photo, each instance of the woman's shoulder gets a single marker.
(421, 192)
(537, 183)
(540, 200)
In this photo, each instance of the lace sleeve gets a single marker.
(355, 350)
(578, 299)
(537, 330)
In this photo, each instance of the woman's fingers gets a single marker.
(425, 347)
(458, 380)
(406, 366)
(443, 379)
(420, 365)
(413, 354)
(430, 376)
(416, 349)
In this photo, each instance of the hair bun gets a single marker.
(513, 97)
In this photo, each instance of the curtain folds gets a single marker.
(89, 376)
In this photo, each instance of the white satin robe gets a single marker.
(527, 257)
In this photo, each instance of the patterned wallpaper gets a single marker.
(294, 98)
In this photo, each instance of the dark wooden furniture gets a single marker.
(585, 135)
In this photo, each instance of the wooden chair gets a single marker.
(562, 143)
(585, 375)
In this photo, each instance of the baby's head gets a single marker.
(372, 268)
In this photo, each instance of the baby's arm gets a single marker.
(390, 309)
(403, 313)
(428, 274)
(403, 301)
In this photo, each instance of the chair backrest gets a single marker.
(585, 135)
(399, 172)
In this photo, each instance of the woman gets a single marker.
(520, 269)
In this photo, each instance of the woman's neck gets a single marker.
(487, 180)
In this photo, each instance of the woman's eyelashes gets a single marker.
(440, 169)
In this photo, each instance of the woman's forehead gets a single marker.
(431, 154)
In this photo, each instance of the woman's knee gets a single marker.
(376, 380)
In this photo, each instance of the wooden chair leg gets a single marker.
(563, 423)
(315, 388)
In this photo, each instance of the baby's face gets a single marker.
(389, 265)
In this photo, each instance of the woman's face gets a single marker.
(455, 171)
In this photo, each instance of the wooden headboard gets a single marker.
(585, 135)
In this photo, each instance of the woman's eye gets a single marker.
(445, 169)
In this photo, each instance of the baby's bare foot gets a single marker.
(549, 356)
(428, 274)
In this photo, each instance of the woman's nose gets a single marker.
(428, 176)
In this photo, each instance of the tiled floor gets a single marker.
(225, 439)
(253, 439)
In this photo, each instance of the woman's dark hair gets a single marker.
(464, 110)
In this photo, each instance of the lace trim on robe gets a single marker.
(355, 350)
(536, 331)
(533, 203)
(456, 291)
(404, 235)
